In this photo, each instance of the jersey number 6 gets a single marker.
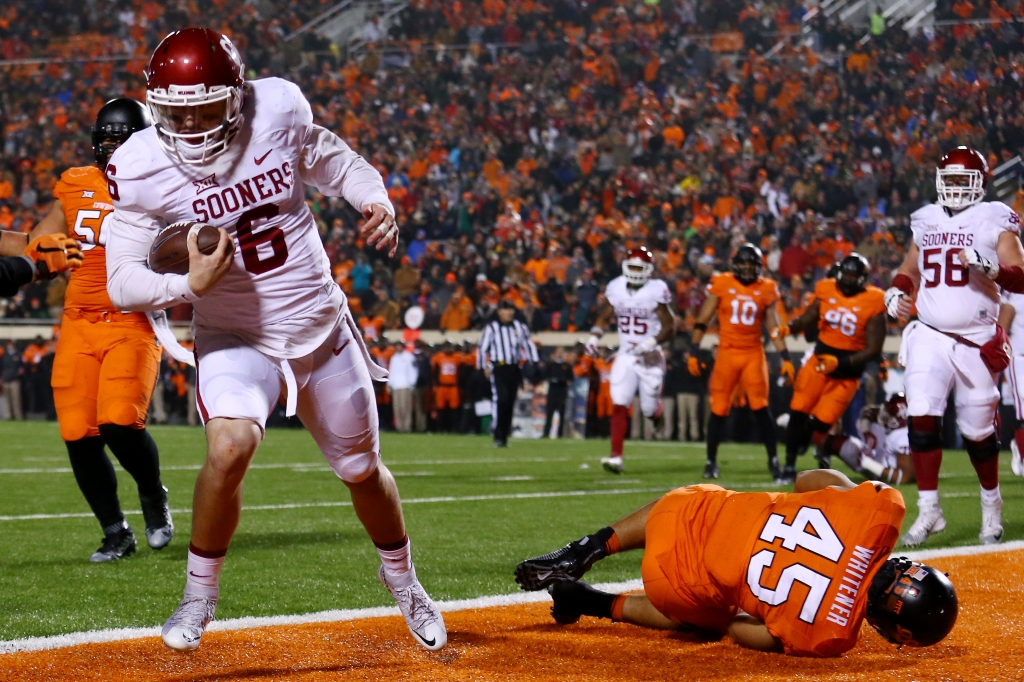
(250, 242)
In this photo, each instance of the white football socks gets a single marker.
(927, 498)
(398, 564)
(202, 576)
(991, 496)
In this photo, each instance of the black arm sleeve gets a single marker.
(15, 272)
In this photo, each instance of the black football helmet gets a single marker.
(911, 604)
(852, 275)
(746, 264)
(115, 123)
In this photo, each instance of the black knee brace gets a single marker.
(924, 433)
(982, 450)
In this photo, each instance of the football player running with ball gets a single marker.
(849, 317)
(645, 321)
(964, 250)
(744, 302)
(269, 320)
(725, 562)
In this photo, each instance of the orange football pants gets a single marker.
(604, 405)
(103, 373)
(676, 579)
(446, 397)
(747, 369)
(821, 396)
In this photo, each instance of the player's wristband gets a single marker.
(785, 354)
(700, 326)
(903, 283)
(1011, 278)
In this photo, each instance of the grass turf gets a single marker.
(312, 558)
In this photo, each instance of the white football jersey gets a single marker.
(950, 297)
(1016, 330)
(278, 296)
(635, 309)
(884, 447)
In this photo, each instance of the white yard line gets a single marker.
(338, 615)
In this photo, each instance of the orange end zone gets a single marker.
(522, 643)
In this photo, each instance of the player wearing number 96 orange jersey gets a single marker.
(787, 572)
(106, 361)
(850, 319)
(744, 303)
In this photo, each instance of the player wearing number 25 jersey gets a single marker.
(239, 155)
(849, 317)
(644, 321)
(790, 572)
(964, 250)
(744, 303)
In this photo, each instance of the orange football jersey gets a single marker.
(841, 320)
(741, 309)
(83, 196)
(803, 563)
(448, 368)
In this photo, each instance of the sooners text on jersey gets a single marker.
(950, 298)
(635, 309)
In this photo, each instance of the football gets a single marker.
(169, 253)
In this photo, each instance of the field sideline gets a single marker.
(473, 513)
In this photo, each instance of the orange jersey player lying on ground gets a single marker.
(785, 572)
(850, 319)
(106, 362)
(744, 303)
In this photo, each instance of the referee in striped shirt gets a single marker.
(504, 346)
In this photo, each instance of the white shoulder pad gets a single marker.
(131, 169)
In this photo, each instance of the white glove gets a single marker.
(975, 261)
(591, 345)
(897, 303)
(645, 346)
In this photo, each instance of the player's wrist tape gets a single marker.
(596, 331)
(1011, 278)
(871, 466)
(785, 354)
(903, 283)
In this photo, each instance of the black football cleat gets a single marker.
(787, 477)
(774, 469)
(157, 512)
(710, 469)
(116, 545)
(572, 600)
(564, 565)
(824, 460)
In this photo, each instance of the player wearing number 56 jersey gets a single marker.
(269, 320)
(849, 317)
(744, 303)
(107, 360)
(964, 250)
(644, 320)
(787, 572)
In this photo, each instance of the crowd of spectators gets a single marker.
(527, 144)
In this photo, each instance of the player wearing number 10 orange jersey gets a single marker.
(744, 303)
(785, 572)
(106, 361)
(850, 319)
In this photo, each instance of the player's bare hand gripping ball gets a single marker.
(380, 228)
(205, 271)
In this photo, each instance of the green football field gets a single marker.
(473, 512)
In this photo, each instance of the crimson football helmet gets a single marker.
(961, 178)
(638, 266)
(194, 92)
(893, 414)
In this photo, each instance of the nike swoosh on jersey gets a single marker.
(262, 158)
(337, 351)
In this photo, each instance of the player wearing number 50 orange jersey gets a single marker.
(850, 319)
(787, 572)
(106, 361)
(744, 303)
